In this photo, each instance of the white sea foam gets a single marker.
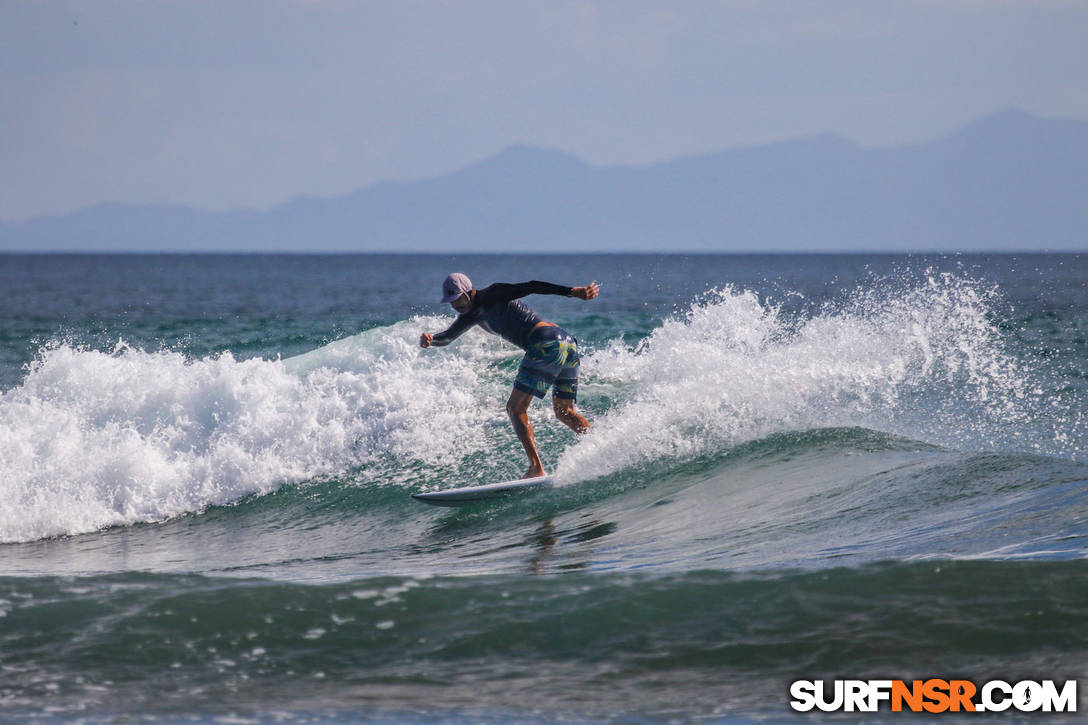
(92, 439)
(925, 362)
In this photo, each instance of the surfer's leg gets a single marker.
(517, 407)
(565, 412)
(565, 392)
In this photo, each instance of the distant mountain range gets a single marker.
(1010, 181)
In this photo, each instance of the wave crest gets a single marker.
(92, 438)
(925, 361)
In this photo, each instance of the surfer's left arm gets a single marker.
(587, 293)
(503, 292)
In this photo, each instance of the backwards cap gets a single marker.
(455, 285)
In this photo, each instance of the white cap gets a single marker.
(455, 285)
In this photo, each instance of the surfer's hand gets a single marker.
(588, 292)
(425, 339)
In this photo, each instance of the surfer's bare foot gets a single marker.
(535, 472)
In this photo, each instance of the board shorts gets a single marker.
(551, 358)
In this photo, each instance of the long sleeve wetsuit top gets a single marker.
(499, 310)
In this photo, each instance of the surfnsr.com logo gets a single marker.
(933, 695)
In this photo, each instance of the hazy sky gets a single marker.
(222, 104)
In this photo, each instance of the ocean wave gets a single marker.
(926, 361)
(96, 438)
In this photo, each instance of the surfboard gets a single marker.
(472, 494)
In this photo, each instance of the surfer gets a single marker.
(551, 353)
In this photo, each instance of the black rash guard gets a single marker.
(499, 310)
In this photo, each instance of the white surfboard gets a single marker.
(472, 494)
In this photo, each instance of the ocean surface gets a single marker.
(800, 467)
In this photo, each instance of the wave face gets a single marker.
(851, 469)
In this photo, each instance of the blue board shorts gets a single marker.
(551, 358)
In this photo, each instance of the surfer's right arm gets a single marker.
(462, 323)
